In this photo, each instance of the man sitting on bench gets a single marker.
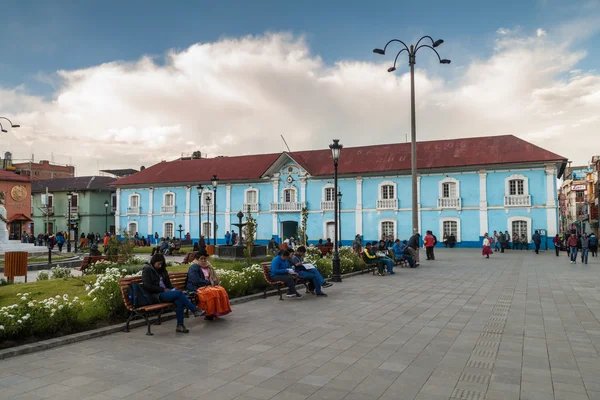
(400, 251)
(309, 274)
(161, 248)
(371, 257)
(281, 272)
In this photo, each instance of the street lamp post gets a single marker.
(208, 200)
(339, 199)
(105, 215)
(200, 188)
(69, 197)
(215, 182)
(412, 52)
(336, 148)
(11, 125)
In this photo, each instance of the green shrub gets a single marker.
(59, 272)
(106, 293)
(43, 276)
(5, 282)
(39, 318)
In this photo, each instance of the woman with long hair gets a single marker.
(155, 279)
(203, 280)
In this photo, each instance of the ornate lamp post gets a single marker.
(336, 148)
(69, 198)
(200, 188)
(208, 200)
(11, 125)
(412, 52)
(339, 199)
(215, 182)
(105, 215)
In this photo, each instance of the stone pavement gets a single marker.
(517, 326)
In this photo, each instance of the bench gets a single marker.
(402, 262)
(371, 264)
(325, 250)
(178, 280)
(266, 266)
(89, 260)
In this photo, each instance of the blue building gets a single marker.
(466, 187)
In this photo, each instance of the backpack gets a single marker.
(138, 296)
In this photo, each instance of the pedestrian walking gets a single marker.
(429, 242)
(496, 241)
(537, 241)
(502, 240)
(572, 243)
(556, 242)
(594, 244)
(585, 247)
(60, 240)
(487, 249)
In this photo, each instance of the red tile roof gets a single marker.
(11, 176)
(438, 154)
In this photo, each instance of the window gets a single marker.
(449, 190)
(74, 200)
(134, 201)
(132, 228)
(388, 229)
(289, 195)
(329, 194)
(387, 192)
(450, 228)
(516, 187)
(207, 198)
(169, 199)
(168, 230)
(520, 228)
(206, 229)
(251, 197)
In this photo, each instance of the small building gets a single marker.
(466, 187)
(43, 169)
(17, 201)
(93, 203)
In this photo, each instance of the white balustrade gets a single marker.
(167, 209)
(207, 208)
(449, 202)
(252, 207)
(520, 200)
(327, 205)
(387, 204)
(133, 210)
(294, 206)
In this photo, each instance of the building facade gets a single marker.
(50, 205)
(43, 169)
(17, 201)
(466, 187)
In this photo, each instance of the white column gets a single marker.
(118, 211)
(275, 200)
(483, 206)
(419, 204)
(188, 199)
(358, 212)
(227, 207)
(551, 211)
(303, 189)
(150, 203)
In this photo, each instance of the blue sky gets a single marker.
(90, 80)
(40, 37)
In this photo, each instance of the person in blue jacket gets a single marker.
(399, 252)
(227, 238)
(281, 272)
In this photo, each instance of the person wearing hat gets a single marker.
(94, 252)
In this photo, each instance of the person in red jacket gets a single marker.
(572, 244)
(556, 242)
(429, 242)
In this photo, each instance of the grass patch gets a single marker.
(42, 259)
(44, 289)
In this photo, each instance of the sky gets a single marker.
(107, 84)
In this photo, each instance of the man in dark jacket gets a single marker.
(537, 240)
(155, 279)
(502, 240)
(414, 243)
(94, 252)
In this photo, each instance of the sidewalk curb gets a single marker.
(94, 333)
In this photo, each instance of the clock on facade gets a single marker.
(18, 193)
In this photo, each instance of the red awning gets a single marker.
(19, 217)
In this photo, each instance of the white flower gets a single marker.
(19, 294)
(26, 317)
(61, 307)
(1, 327)
(53, 310)
(57, 296)
(19, 321)
(23, 298)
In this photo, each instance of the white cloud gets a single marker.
(540, 32)
(236, 96)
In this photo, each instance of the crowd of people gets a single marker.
(575, 244)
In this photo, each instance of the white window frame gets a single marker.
(164, 203)
(210, 229)
(380, 230)
(246, 195)
(164, 228)
(449, 179)
(514, 177)
(324, 192)
(129, 223)
(131, 196)
(451, 219)
(294, 196)
(510, 221)
(113, 202)
(386, 183)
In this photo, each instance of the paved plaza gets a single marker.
(517, 326)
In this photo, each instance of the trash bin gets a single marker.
(210, 249)
(15, 264)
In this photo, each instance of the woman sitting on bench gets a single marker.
(203, 280)
(156, 282)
